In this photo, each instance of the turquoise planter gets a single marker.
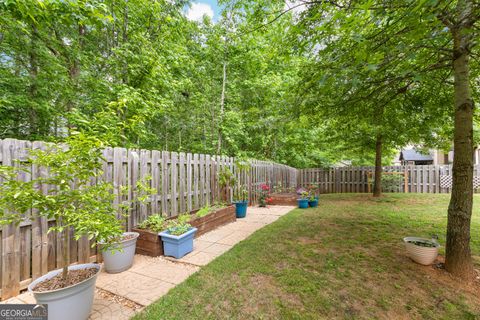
(177, 246)
(241, 208)
(313, 203)
(302, 203)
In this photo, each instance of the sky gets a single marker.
(203, 7)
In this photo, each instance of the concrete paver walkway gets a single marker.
(119, 296)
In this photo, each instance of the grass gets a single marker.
(343, 260)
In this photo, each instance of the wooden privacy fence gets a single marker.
(421, 179)
(183, 182)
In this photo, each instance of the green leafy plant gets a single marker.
(180, 225)
(242, 194)
(304, 195)
(392, 182)
(204, 211)
(155, 223)
(226, 178)
(72, 201)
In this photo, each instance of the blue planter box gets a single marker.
(313, 203)
(177, 246)
(302, 203)
(241, 208)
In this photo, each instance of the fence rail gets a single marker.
(184, 182)
(420, 179)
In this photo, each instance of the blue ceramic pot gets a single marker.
(313, 203)
(241, 208)
(177, 246)
(302, 203)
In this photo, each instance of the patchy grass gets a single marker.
(343, 260)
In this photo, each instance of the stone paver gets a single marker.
(151, 278)
(220, 240)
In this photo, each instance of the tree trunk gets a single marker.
(377, 184)
(458, 259)
(33, 88)
(222, 107)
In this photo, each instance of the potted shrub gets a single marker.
(313, 198)
(303, 200)
(421, 250)
(149, 242)
(241, 203)
(118, 252)
(313, 201)
(178, 238)
(75, 205)
(264, 198)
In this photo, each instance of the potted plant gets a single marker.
(313, 198)
(75, 204)
(241, 203)
(149, 242)
(303, 200)
(178, 238)
(421, 250)
(313, 201)
(118, 253)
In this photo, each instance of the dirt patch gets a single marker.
(73, 277)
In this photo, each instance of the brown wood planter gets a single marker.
(284, 199)
(149, 243)
(213, 220)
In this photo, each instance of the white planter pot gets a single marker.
(419, 254)
(119, 257)
(72, 303)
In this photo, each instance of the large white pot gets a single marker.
(419, 254)
(72, 303)
(119, 256)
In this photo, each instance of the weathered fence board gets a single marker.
(421, 178)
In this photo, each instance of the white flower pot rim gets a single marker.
(419, 239)
(31, 286)
(135, 234)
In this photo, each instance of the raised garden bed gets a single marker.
(213, 220)
(149, 243)
(284, 199)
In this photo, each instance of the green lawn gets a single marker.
(344, 260)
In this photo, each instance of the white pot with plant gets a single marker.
(76, 205)
(422, 250)
(118, 253)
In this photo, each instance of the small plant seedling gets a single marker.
(180, 225)
(155, 223)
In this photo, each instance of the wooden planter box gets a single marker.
(213, 220)
(284, 199)
(148, 243)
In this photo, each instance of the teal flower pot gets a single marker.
(302, 203)
(241, 208)
(313, 203)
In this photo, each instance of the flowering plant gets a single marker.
(264, 196)
(301, 190)
(312, 191)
